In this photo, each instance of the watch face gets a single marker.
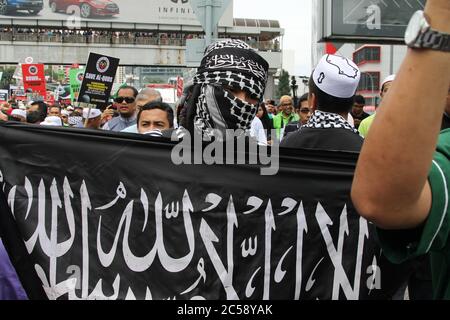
(414, 28)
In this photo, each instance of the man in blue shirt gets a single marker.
(126, 106)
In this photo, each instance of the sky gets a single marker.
(295, 18)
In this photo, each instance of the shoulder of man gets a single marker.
(294, 139)
(112, 123)
(293, 126)
(256, 122)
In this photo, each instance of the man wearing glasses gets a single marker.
(304, 112)
(144, 97)
(286, 116)
(126, 106)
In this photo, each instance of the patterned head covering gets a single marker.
(227, 64)
(234, 63)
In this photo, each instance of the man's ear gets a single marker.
(312, 101)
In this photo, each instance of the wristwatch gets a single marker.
(420, 35)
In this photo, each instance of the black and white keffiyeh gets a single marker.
(228, 64)
(217, 108)
(326, 120)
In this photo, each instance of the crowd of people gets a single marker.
(413, 214)
(122, 115)
(138, 37)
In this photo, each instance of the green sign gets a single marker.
(76, 78)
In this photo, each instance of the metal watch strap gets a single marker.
(434, 40)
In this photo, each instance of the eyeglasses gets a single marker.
(286, 105)
(126, 99)
(305, 110)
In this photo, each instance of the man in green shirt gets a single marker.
(364, 126)
(402, 181)
(286, 116)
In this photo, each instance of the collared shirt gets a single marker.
(433, 236)
(445, 121)
(257, 131)
(120, 123)
(131, 129)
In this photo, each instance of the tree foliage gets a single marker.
(283, 84)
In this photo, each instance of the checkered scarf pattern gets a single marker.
(235, 65)
(235, 113)
(326, 120)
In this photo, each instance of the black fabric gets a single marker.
(118, 219)
(445, 122)
(268, 125)
(292, 127)
(324, 139)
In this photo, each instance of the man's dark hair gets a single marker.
(34, 117)
(54, 106)
(359, 99)
(42, 110)
(271, 102)
(303, 98)
(158, 105)
(328, 103)
(135, 92)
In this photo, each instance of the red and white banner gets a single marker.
(34, 79)
(180, 85)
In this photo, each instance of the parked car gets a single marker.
(11, 6)
(88, 8)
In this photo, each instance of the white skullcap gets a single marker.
(19, 113)
(52, 121)
(337, 76)
(93, 114)
(65, 113)
(388, 79)
(70, 108)
(154, 133)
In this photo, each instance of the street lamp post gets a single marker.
(294, 88)
(372, 87)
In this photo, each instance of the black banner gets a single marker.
(99, 215)
(98, 80)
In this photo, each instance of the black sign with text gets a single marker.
(98, 80)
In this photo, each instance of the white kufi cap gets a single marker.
(388, 79)
(94, 113)
(337, 76)
(19, 113)
(52, 121)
